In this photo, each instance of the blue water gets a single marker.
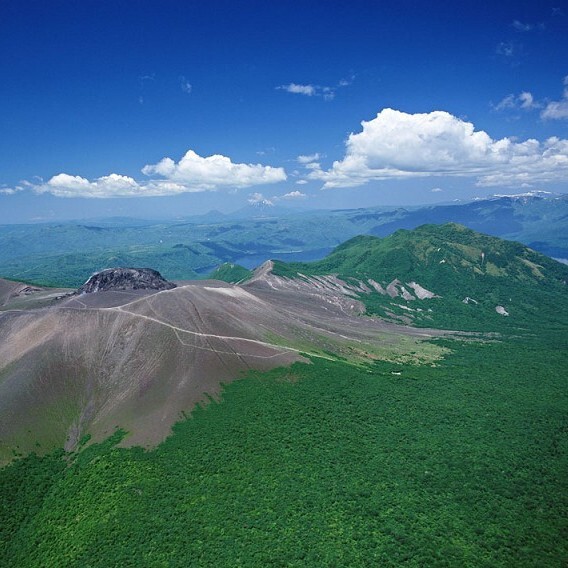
(253, 260)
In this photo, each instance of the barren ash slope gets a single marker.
(134, 351)
(131, 350)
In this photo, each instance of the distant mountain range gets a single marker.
(537, 219)
(66, 254)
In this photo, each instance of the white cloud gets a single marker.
(294, 195)
(312, 166)
(436, 190)
(306, 159)
(192, 173)
(185, 85)
(524, 101)
(557, 110)
(21, 186)
(510, 101)
(400, 145)
(527, 101)
(213, 172)
(113, 185)
(65, 185)
(326, 92)
(308, 90)
(302, 182)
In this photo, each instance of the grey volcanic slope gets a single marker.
(18, 295)
(10, 290)
(137, 359)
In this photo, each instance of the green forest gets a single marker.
(458, 463)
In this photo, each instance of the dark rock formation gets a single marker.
(125, 279)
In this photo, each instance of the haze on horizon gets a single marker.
(161, 109)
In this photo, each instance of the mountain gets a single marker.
(138, 358)
(229, 272)
(537, 219)
(350, 438)
(128, 355)
(446, 274)
(262, 209)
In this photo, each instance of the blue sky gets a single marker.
(165, 108)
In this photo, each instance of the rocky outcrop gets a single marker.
(378, 288)
(421, 292)
(125, 279)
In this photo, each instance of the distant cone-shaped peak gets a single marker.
(125, 279)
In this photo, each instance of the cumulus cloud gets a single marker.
(213, 172)
(294, 195)
(65, 185)
(113, 185)
(556, 110)
(193, 173)
(400, 145)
